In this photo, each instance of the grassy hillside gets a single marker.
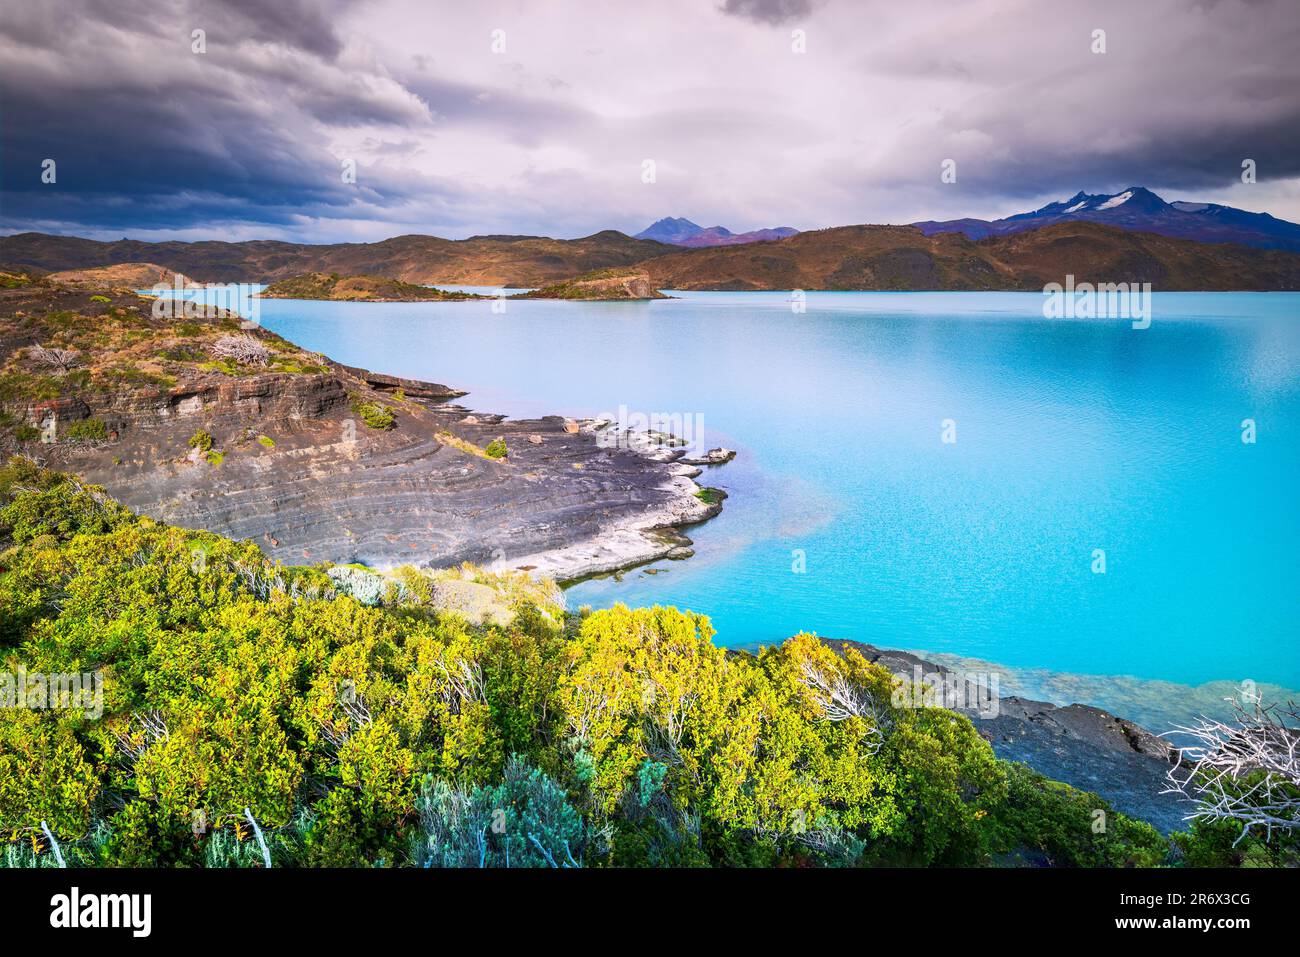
(847, 257)
(121, 276)
(481, 260)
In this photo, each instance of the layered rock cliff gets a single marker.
(315, 460)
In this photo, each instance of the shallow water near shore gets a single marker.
(1071, 436)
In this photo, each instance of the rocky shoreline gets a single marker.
(557, 505)
(1085, 747)
(321, 462)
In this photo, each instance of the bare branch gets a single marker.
(61, 360)
(1246, 769)
(245, 349)
(840, 699)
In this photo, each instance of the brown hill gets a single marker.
(481, 260)
(847, 257)
(902, 258)
(121, 276)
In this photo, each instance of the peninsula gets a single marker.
(204, 424)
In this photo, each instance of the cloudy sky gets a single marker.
(537, 117)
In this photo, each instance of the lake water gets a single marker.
(850, 516)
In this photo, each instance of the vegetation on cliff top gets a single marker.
(401, 734)
(319, 285)
(63, 347)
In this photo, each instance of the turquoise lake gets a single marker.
(1071, 436)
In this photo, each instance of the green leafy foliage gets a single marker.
(496, 449)
(401, 735)
(86, 430)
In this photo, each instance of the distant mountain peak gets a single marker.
(670, 230)
(682, 232)
(1138, 208)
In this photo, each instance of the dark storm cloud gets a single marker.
(548, 134)
(149, 135)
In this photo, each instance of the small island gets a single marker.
(601, 285)
(319, 285)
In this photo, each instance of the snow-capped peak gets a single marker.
(1119, 200)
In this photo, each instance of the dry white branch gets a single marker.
(245, 349)
(464, 683)
(133, 742)
(1246, 769)
(62, 360)
(261, 841)
(840, 699)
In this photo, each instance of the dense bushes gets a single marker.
(399, 735)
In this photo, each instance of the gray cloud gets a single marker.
(768, 11)
(547, 131)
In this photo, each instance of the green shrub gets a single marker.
(525, 821)
(400, 734)
(375, 415)
(86, 430)
(201, 440)
(496, 449)
(1071, 827)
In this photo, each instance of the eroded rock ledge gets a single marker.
(332, 489)
(292, 463)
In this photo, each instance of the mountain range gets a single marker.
(902, 258)
(1139, 209)
(683, 232)
(1131, 236)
